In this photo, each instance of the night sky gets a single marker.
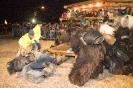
(22, 10)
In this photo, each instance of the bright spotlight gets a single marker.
(5, 22)
(33, 20)
(83, 6)
(98, 4)
(75, 9)
(90, 5)
(42, 7)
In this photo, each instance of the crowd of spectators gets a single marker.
(5, 29)
(96, 12)
(49, 30)
(87, 16)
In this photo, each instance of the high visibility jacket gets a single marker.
(37, 32)
(25, 41)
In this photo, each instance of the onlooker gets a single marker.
(73, 14)
(37, 36)
(64, 16)
(106, 18)
(119, 11)
(128, 10)
(68, 14)
(131, 13)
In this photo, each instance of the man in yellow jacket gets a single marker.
(37, 36)
(24, 42)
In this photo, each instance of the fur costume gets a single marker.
(35, 67)
(106, 29)
(116, 23)
(110, 29)
(65, 35)
(88, 63)
(19, 62)
(109, 38)
(35, 76)
(119, 60)
(127, 21)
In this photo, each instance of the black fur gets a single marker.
(19, 62)
(121, 58)
(35, 76)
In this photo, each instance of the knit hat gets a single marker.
(31, 32)
(39, 22)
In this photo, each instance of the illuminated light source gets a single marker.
(5, 21)
(35, 10)
(98, 4)
(75, 9)
(83, 7)
(60, 19)
(90, 5)
(33, 21)
(65, 7)
(42, 7)
(70, 10)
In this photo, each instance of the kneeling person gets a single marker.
(24, 42)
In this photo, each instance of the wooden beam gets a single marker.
(105, 3)
(118, 0)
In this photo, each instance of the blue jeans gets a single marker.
(38, 65)
(47, 58)
(34, 46)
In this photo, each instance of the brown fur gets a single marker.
(89, 57)
(64, 37)
(87, 61)
(109, 38)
